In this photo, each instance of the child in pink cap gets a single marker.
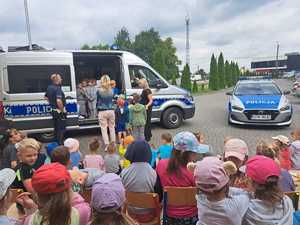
(217, 202)
(269, 205)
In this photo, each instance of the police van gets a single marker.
(259, 101)
(25, 75)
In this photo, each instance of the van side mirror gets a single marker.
(286, 92)
(229, 93)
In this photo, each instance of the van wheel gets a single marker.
(172, 118)
(46, 137)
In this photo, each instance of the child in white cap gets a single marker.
(284, 154)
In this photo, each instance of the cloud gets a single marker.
(242, 30)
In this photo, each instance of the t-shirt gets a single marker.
(9, 155)
(4, 220)
(53, 93)
(94, 161)
(39, 161)
(165, 151)
(229, 211)
(23, 172)
(75, 159)
(286, 182)
(112, 163)
(186, 179)
(285, 159)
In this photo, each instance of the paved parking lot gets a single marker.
(211, 119)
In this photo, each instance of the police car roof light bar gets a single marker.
(255, 78)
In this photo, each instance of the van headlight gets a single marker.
(190, 97)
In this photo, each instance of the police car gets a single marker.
(259, 102)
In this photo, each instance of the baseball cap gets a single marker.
(236, 148)
(50, 147)
(187, 141)
(51, 178)
(283, 139)
(259, 168)
(108, 193)
(210, 175)
(72, 144)
(138, 151)
(7, 177)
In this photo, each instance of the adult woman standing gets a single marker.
(146, 100)
(106, 113)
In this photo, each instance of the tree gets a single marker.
(186, 78)
(195, 87)
(95, 47)
(213, 79)
(165, 60)
(227, 74)
(145, 44)
(232, 72)
(122, 40)
(221, 72)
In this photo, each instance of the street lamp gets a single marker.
(28, 25)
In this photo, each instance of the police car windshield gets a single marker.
(257, 89)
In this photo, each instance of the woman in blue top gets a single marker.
(106, 113)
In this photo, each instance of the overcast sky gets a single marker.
(242, 29)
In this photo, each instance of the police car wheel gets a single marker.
(46, 137)
(172, 118)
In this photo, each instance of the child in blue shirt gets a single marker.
(165, 150)
(75, 155)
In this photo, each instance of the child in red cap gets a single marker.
(52, 184)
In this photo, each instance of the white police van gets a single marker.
(259, 102)
(25, 75)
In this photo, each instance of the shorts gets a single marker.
(121, 127)
(182, 221)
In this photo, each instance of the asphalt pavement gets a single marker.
(211, 119)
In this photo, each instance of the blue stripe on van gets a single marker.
(157, 102)
(34, 109)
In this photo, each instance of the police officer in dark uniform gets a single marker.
(57, 101)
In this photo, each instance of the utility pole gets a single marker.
(276, 63)
(27, 25)
(187, 24)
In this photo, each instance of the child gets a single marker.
(82, 99)
(40, 158)
(116, 91)
(61, 155)
(86, 177)
(236, 150)
(49, 149)
(91, 92)
(295, 149)
(282, 142)
(94, 160)
(52, 184)
(108, 210)
(10, 152)
(122, 150)
(112, 159)
(139, 177)
(7, 177)
(122, 118)
(286, 182)
(75, 156)
(28, 152)
(165, 150)
(217, 202)
(154, 158)
(137, 117)
(268, 205)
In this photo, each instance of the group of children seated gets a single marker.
(87, 97)
(232, 188)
